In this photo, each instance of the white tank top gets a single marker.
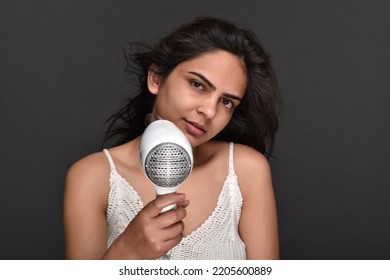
(217, 238)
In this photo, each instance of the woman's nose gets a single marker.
(208, 108)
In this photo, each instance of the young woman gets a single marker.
(214, 81)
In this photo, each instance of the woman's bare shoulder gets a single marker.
(89, 174)
(90, 164)
(94, 169)
(247, 157)
(251, 167)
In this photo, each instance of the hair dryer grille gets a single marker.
(168, 165)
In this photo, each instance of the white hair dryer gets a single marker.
(166, 157)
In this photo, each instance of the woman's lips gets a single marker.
(194, 128)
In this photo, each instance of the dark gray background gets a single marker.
(61, 76)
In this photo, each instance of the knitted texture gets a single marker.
(217, 238)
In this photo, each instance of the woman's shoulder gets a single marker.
(252, 168)
(87, 183)
(99, 162)
(97, 166)
(90, 174)
(248, 157)
(90, 164)
(245, 158)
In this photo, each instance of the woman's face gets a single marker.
(200, 95)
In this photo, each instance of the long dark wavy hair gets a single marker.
(254, 121)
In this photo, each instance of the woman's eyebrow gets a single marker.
(204, 79)
(232, 96)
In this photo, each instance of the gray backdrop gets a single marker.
(61, 76)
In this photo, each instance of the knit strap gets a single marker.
(231, 163)
(112, 165)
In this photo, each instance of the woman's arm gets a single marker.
(258, 223)
(85, 201)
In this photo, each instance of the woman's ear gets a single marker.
(154, 79)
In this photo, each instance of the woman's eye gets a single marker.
(226, 102)
(197, 85)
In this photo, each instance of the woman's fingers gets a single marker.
(154, 208)
(172, 235)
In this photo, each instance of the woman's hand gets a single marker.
(151, 233)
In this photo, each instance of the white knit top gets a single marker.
(217, 238)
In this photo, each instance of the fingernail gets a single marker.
(183, 203)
